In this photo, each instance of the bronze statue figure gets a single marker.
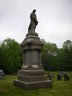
(33, 22)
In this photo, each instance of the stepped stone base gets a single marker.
(32, 85)
(30, 79)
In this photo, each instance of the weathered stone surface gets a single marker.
(32, 74)
(33, 22)
(31, 78)
(2, 75)
(59, 77)
(32, 85)
(66, 77)
(50, 76)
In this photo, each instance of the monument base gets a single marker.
(33, 85)
(30, 79)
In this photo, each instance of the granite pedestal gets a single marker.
(32, 74)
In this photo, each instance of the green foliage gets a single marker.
(49, 56)
(67, 55)
(60, 88)
(54, 58)
(11, 56)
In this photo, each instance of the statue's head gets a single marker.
(34, 10)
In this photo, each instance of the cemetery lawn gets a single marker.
(60, 88)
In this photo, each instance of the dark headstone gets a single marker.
(66, 77)
(59, 77)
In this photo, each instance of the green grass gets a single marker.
(60, 88)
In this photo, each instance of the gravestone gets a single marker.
(59, 77)
(62, 73)
(2, 75)
(32, 74)
(50, 76)
(66, 77)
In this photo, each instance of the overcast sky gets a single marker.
(54, 16)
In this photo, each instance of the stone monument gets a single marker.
(32, 74)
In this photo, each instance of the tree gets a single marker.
(67, 51)
(49, 56)
(11, 56)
